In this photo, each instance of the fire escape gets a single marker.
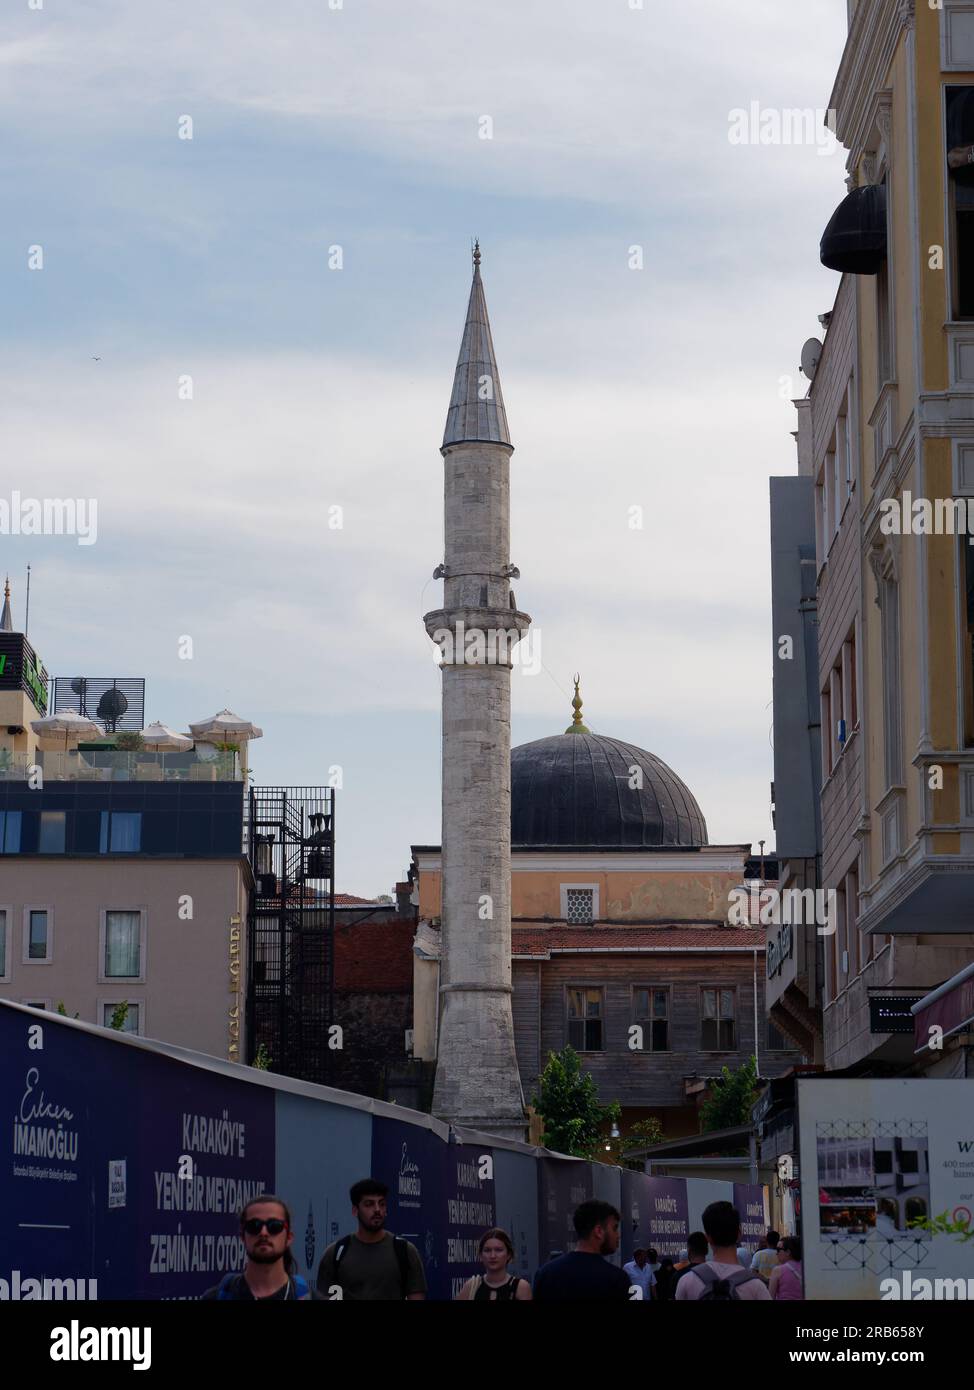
(291, 926)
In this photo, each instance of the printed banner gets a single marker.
(876, 1158)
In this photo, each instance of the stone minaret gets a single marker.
(477, 1080)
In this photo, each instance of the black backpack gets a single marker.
(400, 1247)
(722, 1290)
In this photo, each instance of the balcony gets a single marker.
(113, 765)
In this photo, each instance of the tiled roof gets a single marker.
(538, 940)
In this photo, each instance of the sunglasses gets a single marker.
(275, 1226)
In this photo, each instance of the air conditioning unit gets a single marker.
(409, 1042)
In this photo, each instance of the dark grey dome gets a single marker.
(572, 791)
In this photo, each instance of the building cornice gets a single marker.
(717, 859)
(873, 38)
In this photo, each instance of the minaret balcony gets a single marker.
(476, 636)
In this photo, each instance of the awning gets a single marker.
(855, 239)
(951, 1007)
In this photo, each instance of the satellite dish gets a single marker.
(111, 707)
(811, 355)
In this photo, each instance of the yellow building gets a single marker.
(889, 435)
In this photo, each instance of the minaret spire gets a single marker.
(476, 413)
(6, 617)
(477, 1082)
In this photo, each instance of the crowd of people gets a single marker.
(371, 1264)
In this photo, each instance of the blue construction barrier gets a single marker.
(129, 1160)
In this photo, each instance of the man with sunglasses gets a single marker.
(269, 1272)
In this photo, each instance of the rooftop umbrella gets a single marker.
(161, 737)
(68, 722)
(225, 727)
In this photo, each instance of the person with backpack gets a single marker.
(495, 1285)
(270, 1273)
(371, 1264)
(724, 1278)
(786, 1281)
(697, 1252)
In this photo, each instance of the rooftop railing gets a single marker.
(114, 765)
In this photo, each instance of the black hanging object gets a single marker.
(854, 242)
(318, 864)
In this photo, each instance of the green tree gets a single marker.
(942, 1225)
(262, 1058)
(62, 1010)
(732, 1095)
(642, 1133)
(120, 1014)
(574, 1118)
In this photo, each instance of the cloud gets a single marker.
(665, 389)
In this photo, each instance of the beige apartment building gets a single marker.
(887, 433)
(122, 873)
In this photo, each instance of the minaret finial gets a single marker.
(576, 726)
(476, 254)
(6, 616)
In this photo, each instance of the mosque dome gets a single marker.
(572, 791)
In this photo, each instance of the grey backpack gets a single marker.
(721, 1289)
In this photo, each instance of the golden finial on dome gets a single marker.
(576, 726)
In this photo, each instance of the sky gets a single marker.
(276, 303)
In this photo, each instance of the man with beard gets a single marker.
(584, 1275)
(269, 1273)
(371, 1264)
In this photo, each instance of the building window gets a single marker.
(960, 138)
(38, 934)
(884, 363)
(123, 945)
(651, 1010)
(585, 1019)
(10, 832)
(131, 1024)
(718, 1031)
(853, 936)
(890, 627)
(844, 429)
(579, 903)
(967, 568)
(840, 944)
(777, 1042)
(51, 837)
(849, 686)
(121, 832)
(838, 732)
(837, 462)
(828, 746)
